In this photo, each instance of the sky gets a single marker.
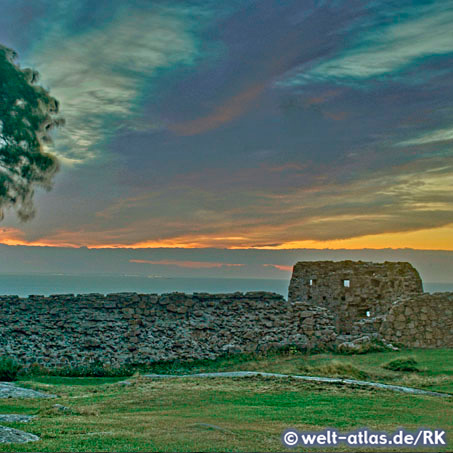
(204, 264)
(242, 124)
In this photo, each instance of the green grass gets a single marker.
(435, 366)
(58, 380)
(239, 414)
(402, 364)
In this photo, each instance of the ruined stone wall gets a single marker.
(353, 290)
(424, 320)
(125, 328)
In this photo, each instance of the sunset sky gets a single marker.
(242, 123)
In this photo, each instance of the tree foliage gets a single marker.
(27, 114)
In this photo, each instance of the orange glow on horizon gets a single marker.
(429, 239)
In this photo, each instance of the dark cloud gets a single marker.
(244, 122)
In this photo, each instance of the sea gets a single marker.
(46, 284)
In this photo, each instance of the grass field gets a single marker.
(234, 414)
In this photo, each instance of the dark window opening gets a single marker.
(312, 282)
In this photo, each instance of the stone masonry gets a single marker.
(353, 290)
(139, 328)
(425, 320)
(329, 304)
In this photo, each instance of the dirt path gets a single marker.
(395, 388)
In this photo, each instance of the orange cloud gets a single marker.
(223, 114)
(11, 236)
(14, 236)
(188, 264)
(426, 239)
(323, 97)
(280, 267)
(336, 116)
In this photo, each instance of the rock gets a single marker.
(177, 308)
(15, 436)
(231, 349)
(306, 313)
(16, 418)
(9, 390)
(362, 340)
(389, 346)
(61, 408)
(91, 343)
(348, 346)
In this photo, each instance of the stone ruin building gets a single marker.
(384, 300)
(353, 290)
(330, 304)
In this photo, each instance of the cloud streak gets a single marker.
(388, 49)
(411, 199)
(277, 124)
(225, 113)
(440, 135)
(100, 75)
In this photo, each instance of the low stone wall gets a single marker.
(139, 328)
(424, 320)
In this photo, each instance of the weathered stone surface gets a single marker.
(13, 418)
(120, 328)
(379, 301)
(428, 321)
(61, 408)
(330, 303)
(15, 436)
(10, 390)
(348, 347)
(357, 344)
(353, 290)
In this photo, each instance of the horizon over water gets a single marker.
(46, 284)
